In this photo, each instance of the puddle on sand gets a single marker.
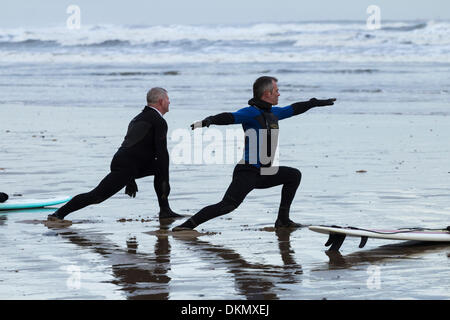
(180, 234)
(49, 223)
(57, 223)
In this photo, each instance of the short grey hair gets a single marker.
(154, 94)
(263, 84)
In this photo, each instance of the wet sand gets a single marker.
(379, 171)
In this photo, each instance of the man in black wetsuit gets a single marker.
(260, 122)
(143, 153)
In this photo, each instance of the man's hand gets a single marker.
(131, 189)
(322, 103)
(199, 124)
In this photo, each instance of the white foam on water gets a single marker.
(286, 42)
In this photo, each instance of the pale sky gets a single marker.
(39, 13)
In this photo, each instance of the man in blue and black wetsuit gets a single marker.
(143, 153)
(259, 120)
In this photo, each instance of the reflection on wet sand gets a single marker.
(287, 253)
(144, 276)
(4, 213)
(3, 219)
(404, 250)
(253, 280)
(140, 276)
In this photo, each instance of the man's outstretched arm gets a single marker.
(301, 107)
(220, 119)
(239, 117)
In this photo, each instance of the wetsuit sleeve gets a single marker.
(240, 116)
(301, 107)
(293, 110)
(243, 115)
(219, 119)
(161, 153)
(222, 119)
(283, 113)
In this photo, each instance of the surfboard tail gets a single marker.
(363, 242)
(337, 234)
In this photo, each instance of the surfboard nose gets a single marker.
(3, 197)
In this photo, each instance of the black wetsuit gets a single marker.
(142, 153)
(261, 118)
(246, 178)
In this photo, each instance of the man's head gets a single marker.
(266, 89)
(158, 98)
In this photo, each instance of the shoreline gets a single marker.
(404, 184)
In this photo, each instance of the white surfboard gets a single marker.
(16, 204)
(337, 234)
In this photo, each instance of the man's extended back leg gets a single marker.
(109, 186)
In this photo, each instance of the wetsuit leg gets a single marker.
(109, 186)
(162, 187)
(244, 180)
(288, 177)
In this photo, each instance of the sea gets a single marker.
(203, 65)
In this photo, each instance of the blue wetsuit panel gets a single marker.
(248, 117)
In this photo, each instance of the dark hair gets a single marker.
(262, 84)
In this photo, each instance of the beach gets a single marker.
(378, 158)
